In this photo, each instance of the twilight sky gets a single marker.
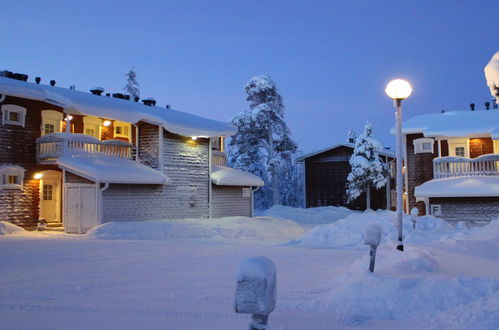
(330, 59)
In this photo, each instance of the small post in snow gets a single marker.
(373, 239)
(414, 215)
(256, 290)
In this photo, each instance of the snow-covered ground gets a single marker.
(182, 274)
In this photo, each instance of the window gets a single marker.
(459, 148)
(496, 146)
(92, 126)
(122, 129)
(51, 122)
(13, 115)
(217, 144)
(423, 145)
(11, 176)
(47, 192)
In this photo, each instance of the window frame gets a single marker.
(454, 143)
(419, 143)
(7, 109)
(7, 171)
(95, 123)
(52, 117)
(123, 125)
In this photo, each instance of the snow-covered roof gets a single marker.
(78, 102)
(492, 74)
(476, 186)
(112, 170)
(455, 124)
(348, 145)
(226, 176)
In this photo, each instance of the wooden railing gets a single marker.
(448, 167)
(55, 145)
(219, 158)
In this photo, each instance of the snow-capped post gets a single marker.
(373, 239)
(399, 90)
(256, 290)
(414, 215)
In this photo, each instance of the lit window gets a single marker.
(459, 151)
(51, 121)
(92, 126)
(49, 129)
(423, 145)
(13, 115)
(12, 176)
(122, 129)
(47, 192)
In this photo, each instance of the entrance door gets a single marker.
(80, 207)
(50, 196)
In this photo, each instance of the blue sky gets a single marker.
(330, 59)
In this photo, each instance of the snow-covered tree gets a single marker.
(132, 86)
(264, 137)
(367, 168)
(352, 136)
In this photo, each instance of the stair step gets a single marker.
(54, 224)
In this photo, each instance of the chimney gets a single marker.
(472, 106)
(136, 99)
(494, 104)
(121, 96)
(149, 101)
(52, 83)
(97, 91)
(73, 87)
(108, 94)
(442, 111)
(38, 79)
(168, 106)
(487, 105)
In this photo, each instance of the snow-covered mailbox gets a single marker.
(256, 290)
(373, 239)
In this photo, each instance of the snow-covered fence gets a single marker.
(256, 290)
(219, 158)
(52, 146)
(448, 167)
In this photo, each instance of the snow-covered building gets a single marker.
(453, 164)
(78, 159)
(325, 180)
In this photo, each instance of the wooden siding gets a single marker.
(229, 201)
(470, 210)
(481, 146)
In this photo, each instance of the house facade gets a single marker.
(77, 159)
(452, 167)
(326, 174)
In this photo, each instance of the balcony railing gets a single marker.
(55, 145)
(219, 158)
(449, 167)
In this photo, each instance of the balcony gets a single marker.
(451, 167)
(53, 146)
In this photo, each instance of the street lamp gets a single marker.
(399, 90)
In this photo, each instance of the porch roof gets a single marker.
(474, 186)
(78, 102)
(226, 176)
(112, 170)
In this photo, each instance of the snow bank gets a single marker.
(242, 228)
(6, 228)
(226, 176)
(348, 233)
(308, 217)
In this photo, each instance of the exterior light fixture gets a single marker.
(399, 90)
(38, 176)
(69, 117)
(194, 138)
(106, 123)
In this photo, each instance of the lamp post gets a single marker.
(399, 90)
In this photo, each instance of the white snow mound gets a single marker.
(7, 228)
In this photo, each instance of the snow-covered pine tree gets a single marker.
(351, 136)
(132, 86)
(367, 167)
(264, 129)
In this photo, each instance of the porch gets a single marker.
(452, 167)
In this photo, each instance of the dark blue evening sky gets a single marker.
(330, 59)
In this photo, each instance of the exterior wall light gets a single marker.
(194, 138)
(399, 90)
(69, 117)
(38, 176)
(106, 123)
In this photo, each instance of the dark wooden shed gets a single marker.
(326, 174)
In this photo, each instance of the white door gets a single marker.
(50, 196)
(80, 207)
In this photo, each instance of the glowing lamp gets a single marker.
(398, 89)
(38, 176)
(194, 138)
(106, 123)
(69, 117)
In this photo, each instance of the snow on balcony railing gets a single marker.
(448, 167)
(55, 145)
(219, 158)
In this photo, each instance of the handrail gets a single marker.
(447, 167)
(219, 158)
